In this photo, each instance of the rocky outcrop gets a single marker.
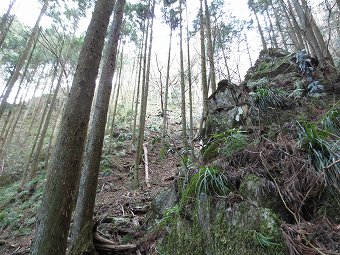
(226, 109)
(280, 199)
(271, 63)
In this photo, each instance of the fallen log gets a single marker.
(115, 247)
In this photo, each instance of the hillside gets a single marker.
(266, 182)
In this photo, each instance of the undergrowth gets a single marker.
(226, 143)
(267, 99)
(207, 180)
(323, 152)
(331, 121)
(19, 207)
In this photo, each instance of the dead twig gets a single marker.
(145, 149)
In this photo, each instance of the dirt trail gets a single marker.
(123, 208)
(119, 210)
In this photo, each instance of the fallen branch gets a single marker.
(115, 247)
(99, 239)
(146, 165)
(334, 163)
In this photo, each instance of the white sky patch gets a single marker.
(27, 12)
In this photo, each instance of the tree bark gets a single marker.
(54, 219)
(210, 48)
(166, 94)
(191, 118)
(310, 36)
(183, 105)
(279, 27)
(145, 92)
(138, 87)
(203, 70)
(90, 170)
(329, 62)
(116, 95)
(271, 30)
(294, 29)
(36, 139)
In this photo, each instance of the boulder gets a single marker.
(165, 200)
(226, 109)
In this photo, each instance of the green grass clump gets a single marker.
(322, 151)
(236, 141)
(331, 121)
(267, 99)
(169, 215)
(226, 143)
(207, 180)
(264, 240)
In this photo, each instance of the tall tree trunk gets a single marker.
(5, 23)
(35, 161)
(28, 108)
(248, 51)
(183, 110)
(139, 80)
(263, 40)
(210, 48)
(36, 139)
(271, 30)
(329, 62)
(135, 92)
(294, 29)
(191, 118)
(54, 219)
(6, 139)
(22, 59)
(115, 103)
(18, 116)
(7, 29)
(54, 128)
(166, 94)
(82, 226)
(279, 27)
(226, 64)
(306, 26)
(203, 70)
(36, 109)
(145, 92)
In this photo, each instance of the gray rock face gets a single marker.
(225, 109)
(165, 200)
(225, 97)
(271, 63)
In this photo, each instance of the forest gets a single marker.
(205, 127)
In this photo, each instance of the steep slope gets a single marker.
(270, 180)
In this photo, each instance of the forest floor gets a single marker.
(118, 206)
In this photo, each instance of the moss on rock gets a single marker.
(211, 151)
(234, 230)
